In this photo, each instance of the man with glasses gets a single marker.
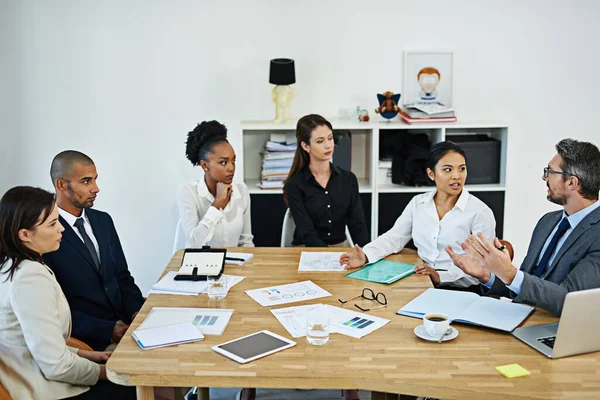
(564, 251)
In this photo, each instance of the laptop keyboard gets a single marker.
(548, 341)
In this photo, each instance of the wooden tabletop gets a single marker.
(391, 359)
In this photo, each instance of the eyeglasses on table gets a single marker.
(368, 294)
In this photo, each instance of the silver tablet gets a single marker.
(254, 346)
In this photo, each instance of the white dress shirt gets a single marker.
(420, 222)
(201, 224)
(70, 218)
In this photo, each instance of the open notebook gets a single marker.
(469, 308)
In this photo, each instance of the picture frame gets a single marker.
(427, 77)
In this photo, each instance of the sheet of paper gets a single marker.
(237, 258)
(158, 291)
(293, 318)
(351, 323)
(346, 322)
(168, 335)
(451, 303)
(320, 261)
(285, 294)
(209, 321)
(169, 284)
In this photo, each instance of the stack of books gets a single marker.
(427, 113)
(277, 160)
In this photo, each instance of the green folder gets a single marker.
(383, 271)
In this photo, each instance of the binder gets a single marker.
(383, 271)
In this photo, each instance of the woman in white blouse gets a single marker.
(434, 220)
(213, 211)
(35, 319)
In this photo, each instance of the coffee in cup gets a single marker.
(436, 324)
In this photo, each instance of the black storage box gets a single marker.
(483, 157)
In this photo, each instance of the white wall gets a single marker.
(9, 94)
(124, 81)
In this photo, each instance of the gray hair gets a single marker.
(62, 164)
(581, 159)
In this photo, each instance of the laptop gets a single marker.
(577, 332)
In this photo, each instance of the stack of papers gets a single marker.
(277, 161)
(168, 335)
(341, 320)
(168, 285)
(237, 258)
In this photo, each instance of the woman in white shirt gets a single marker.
(213, 211)
(434, 220)
(35, 319)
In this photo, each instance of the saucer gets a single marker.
(420, 332)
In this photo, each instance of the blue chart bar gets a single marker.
(203, 320)
(369, 322)
(358, 322)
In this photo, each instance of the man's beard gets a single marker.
(73, 200)
(560, 200)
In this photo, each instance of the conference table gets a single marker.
(391, 360)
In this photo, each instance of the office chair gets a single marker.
(72, 342)
(509, 247)
(3, 393)
(289, 226)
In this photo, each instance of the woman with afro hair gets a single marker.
(213, 211)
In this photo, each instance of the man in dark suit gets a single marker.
(564, 251)
(90, 265)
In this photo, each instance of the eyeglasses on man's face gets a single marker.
(368, 294)
(548, 171)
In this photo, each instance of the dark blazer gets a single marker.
(575, 267)
(97, 300)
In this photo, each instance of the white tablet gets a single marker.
(254, 346)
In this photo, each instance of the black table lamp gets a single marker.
(282, 74)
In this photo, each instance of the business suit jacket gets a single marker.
(575, 267)
(35, 324)
(97, 300)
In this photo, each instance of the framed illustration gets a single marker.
(427, 78)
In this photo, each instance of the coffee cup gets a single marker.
(436, 324)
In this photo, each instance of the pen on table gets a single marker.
(441, 269)
(234, 259)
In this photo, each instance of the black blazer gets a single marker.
(97, 300)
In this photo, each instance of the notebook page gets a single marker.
(451, 303)
(495, 314)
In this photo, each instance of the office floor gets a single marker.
(281, 394)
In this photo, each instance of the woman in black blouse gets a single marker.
(322, 197)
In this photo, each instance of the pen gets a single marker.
(440, 269)
(234, 259)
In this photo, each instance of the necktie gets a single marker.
(562, 228)
(87, 241)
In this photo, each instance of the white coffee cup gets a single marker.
(436, 324)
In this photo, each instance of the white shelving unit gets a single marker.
(365, 153)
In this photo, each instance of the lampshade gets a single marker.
(282, 71)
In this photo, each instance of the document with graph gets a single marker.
(209, 321)
(290, 293)
(321, 261)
